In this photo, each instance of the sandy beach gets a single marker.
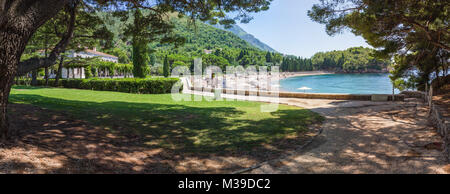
(253, 82)
(284, 75)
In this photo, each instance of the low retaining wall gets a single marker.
(362, 97)
(441, 123)
(414, 94)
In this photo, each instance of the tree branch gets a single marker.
(36, 63)
(427, 33)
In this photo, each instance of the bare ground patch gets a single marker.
(386, 138)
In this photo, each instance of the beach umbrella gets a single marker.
(304, 89)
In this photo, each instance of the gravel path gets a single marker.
(363, 137)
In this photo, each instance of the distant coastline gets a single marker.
(284, 75)
(363, 71)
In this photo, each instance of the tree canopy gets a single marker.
(413, 32)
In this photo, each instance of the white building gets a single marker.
(206, 51)
(94, 53)
(79, 72)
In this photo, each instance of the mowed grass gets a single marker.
(187, 126)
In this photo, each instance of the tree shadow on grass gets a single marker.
(25, 87)
(124, 137)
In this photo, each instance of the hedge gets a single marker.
(128, 85)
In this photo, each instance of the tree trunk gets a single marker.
(46, 76)
(59, 73)
(19, 19)
(34, 77)
(46, 68)
(4, 123)
(10, 45)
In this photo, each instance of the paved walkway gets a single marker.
(363, 137)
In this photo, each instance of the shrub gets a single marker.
(93, 71)
(128, 85)
(87, 71)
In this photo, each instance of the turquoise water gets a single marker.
(370, 83)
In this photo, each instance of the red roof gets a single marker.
(99, 53)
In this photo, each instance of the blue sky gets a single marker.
(287, 28)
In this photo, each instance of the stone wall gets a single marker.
(441, 123)
(362, 97)
(414, 94)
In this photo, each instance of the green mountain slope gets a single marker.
(235, 29)
(222, 48)
(201, 36)
(201, 39)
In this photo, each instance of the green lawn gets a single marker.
(206, 126)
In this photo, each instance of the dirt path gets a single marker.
(369, 138)
(364, 137)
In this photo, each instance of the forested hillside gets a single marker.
(215, 46)
(235, 29)
(204, 40)
(352, 60)
(222, 48)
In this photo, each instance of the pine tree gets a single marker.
(166, 67)
(269, 57)
(140, 59)
(140, 50)
(152, 59)
(241, 55)
(419, 27)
